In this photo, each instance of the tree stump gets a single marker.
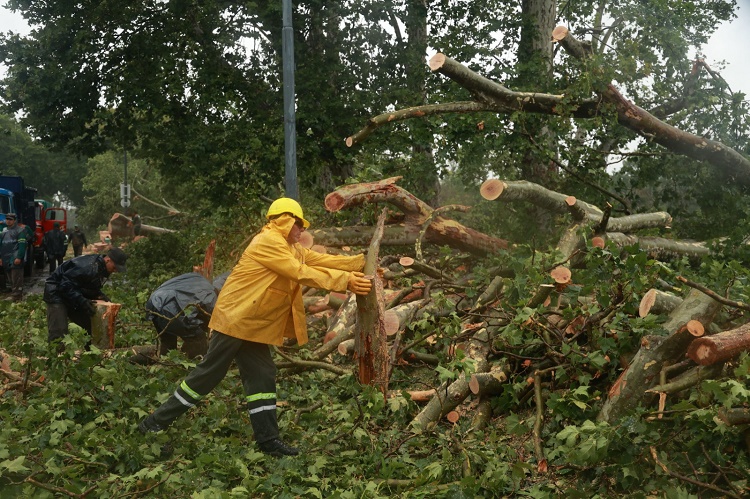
(103, 324)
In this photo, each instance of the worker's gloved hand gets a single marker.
(90, 307)
(358, 284)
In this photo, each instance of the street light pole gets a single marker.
(124, 186)
(290, 132)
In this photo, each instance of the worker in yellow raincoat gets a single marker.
(259, 305)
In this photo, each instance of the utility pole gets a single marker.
(290, 130)
(125, 187)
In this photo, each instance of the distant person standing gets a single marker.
(78, 240)
(55, 245)
(12, 254)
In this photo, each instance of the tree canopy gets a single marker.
(51, 173)
(194, 87)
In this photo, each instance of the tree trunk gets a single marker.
(103, 324)
(422, 172)
(735, 416)
(370, 335)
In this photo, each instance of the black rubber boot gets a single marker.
(277, 448)
(148, 425)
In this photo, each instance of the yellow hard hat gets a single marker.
(287, 205)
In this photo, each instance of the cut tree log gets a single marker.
(643, 372)
(657, 302)
(400, 316)
(735, 416)
(207, 269)
(561, 275)
(103, 324)
(440, 231)
(556, 202)
(341, 328)
(489, 383)
(450, 395)
(659, 247)
(121, 226)
(369, 334)
(346, 347)
(618, 229)
(421, 267)
(720, 347)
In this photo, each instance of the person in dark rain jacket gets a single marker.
(55, 245)
(70, 289)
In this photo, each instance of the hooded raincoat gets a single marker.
(261, 300)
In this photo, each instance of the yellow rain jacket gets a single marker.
(261, 299)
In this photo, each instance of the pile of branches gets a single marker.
(509, 335)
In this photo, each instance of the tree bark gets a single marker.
(735, 416)
(720, 347)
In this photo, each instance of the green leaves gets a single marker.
(13, 466)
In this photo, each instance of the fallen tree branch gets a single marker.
(714, 295)
(688, 379)
(687, 479)
(449, 395)
(414, 112)
(440, 231)
(311, 363)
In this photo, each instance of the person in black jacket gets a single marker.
(70, 289)
(55, 245)
(78, 239)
